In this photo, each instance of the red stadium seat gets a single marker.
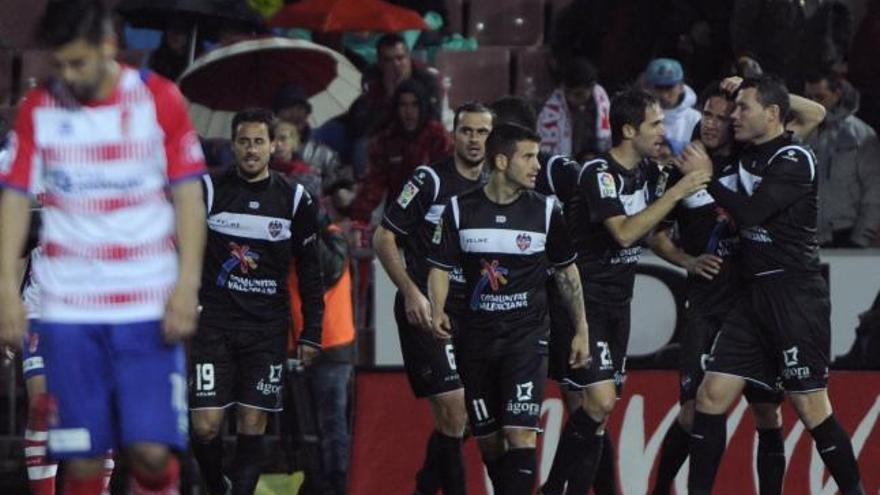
(481, 75)
(507, 22)
(532, 76)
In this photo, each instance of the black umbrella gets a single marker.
(205, 17)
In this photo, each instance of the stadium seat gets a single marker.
(481, 75)
(507, 22)
(532, 77)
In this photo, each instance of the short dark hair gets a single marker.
(514, 110)
(390, 39)
(65, 21)
(257, 115)
(579, 72)
(628, 108)
(769, 90)
(503, 139)
(835, 82)
(470, 107)
(713, 90)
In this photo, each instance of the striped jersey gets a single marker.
(504, 252)
(108, 232)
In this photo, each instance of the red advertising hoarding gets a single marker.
(392, 427)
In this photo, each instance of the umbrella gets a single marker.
(328, 16)
(205, 16)
(249, 73)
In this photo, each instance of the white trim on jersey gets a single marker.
(697, 200)
(635, 202)
(434, 213)
(749, 180)
(802, 150)
(455, 214)
(209, 191)
(436, 180)
(502, 241)
(550, 163)
(729, 181)
(260, 227)
(590, 164)
(549, 203)
(297, 197)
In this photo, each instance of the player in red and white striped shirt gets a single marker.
(121, 266)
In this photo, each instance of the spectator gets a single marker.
(664, 78)
(329, 376)
(575, 118)
(292, 105)
(414, 138)
(286, 160)
(770, 29)
(172, 56)
(848, 168)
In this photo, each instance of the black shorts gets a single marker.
(609, 336)
(779, 333)
(504, 391)
(429, 362)
(243, 366)
(699, 333)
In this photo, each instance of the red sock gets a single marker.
(109, 464)
(41, 471)
(164, 483)
(83, 486)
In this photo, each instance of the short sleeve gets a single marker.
(792, 164)
(560, 250)
(445, 244)
(600, 190)
(20, 160)
(183, 151)
(404, 215)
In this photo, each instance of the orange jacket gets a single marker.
(338, 323)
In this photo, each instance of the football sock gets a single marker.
(210, 458)
(248, 464)
(451, 465)
(165, 482)
(673, 453)
(40, 470)
(428, 477)
(836, 450)
(520, 468)
(708, 439)
(605, 482)
(578, 438)
(771, 461)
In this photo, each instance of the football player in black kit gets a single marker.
(708, 252)
(505, 236)
(257, 225)
(780, 330)
(611, 212)
(430, 363)
(558, 178)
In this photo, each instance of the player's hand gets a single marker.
(307, 354)
(580, 350)
(181, 313)
(418, 309)
(731, 84)
(441, 327)
(13, 319)
(705, 265)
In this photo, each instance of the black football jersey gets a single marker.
(704, 227)
(416, 213)
(255, 231)
(777, 207)
(504, 252)
(606, 189)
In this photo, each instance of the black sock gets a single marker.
(495, 468)
(248, 464)
(451, 465)
(209, 455)
(836, 450)
(583, 474)
(578, 439)
(605, 482)
(520, 471)
(708, 439)
(673, 452)
(771, 461)
(428, 477)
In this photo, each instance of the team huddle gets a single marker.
(522, 265)
(511, 266)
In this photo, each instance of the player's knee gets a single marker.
(813, 408)
(767, 416)
(451, 415)
(599, 407)
(252, 422)
(520, 438)
(715, 396)
(491, 446)
(204, 429)
(149, 457)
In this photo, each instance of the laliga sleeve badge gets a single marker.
(407, 194)
(438, 232)
(607, 186)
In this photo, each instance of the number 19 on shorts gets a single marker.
(205, 377)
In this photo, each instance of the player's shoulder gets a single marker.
(793, 155)
(163, 90)
(594, 167)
